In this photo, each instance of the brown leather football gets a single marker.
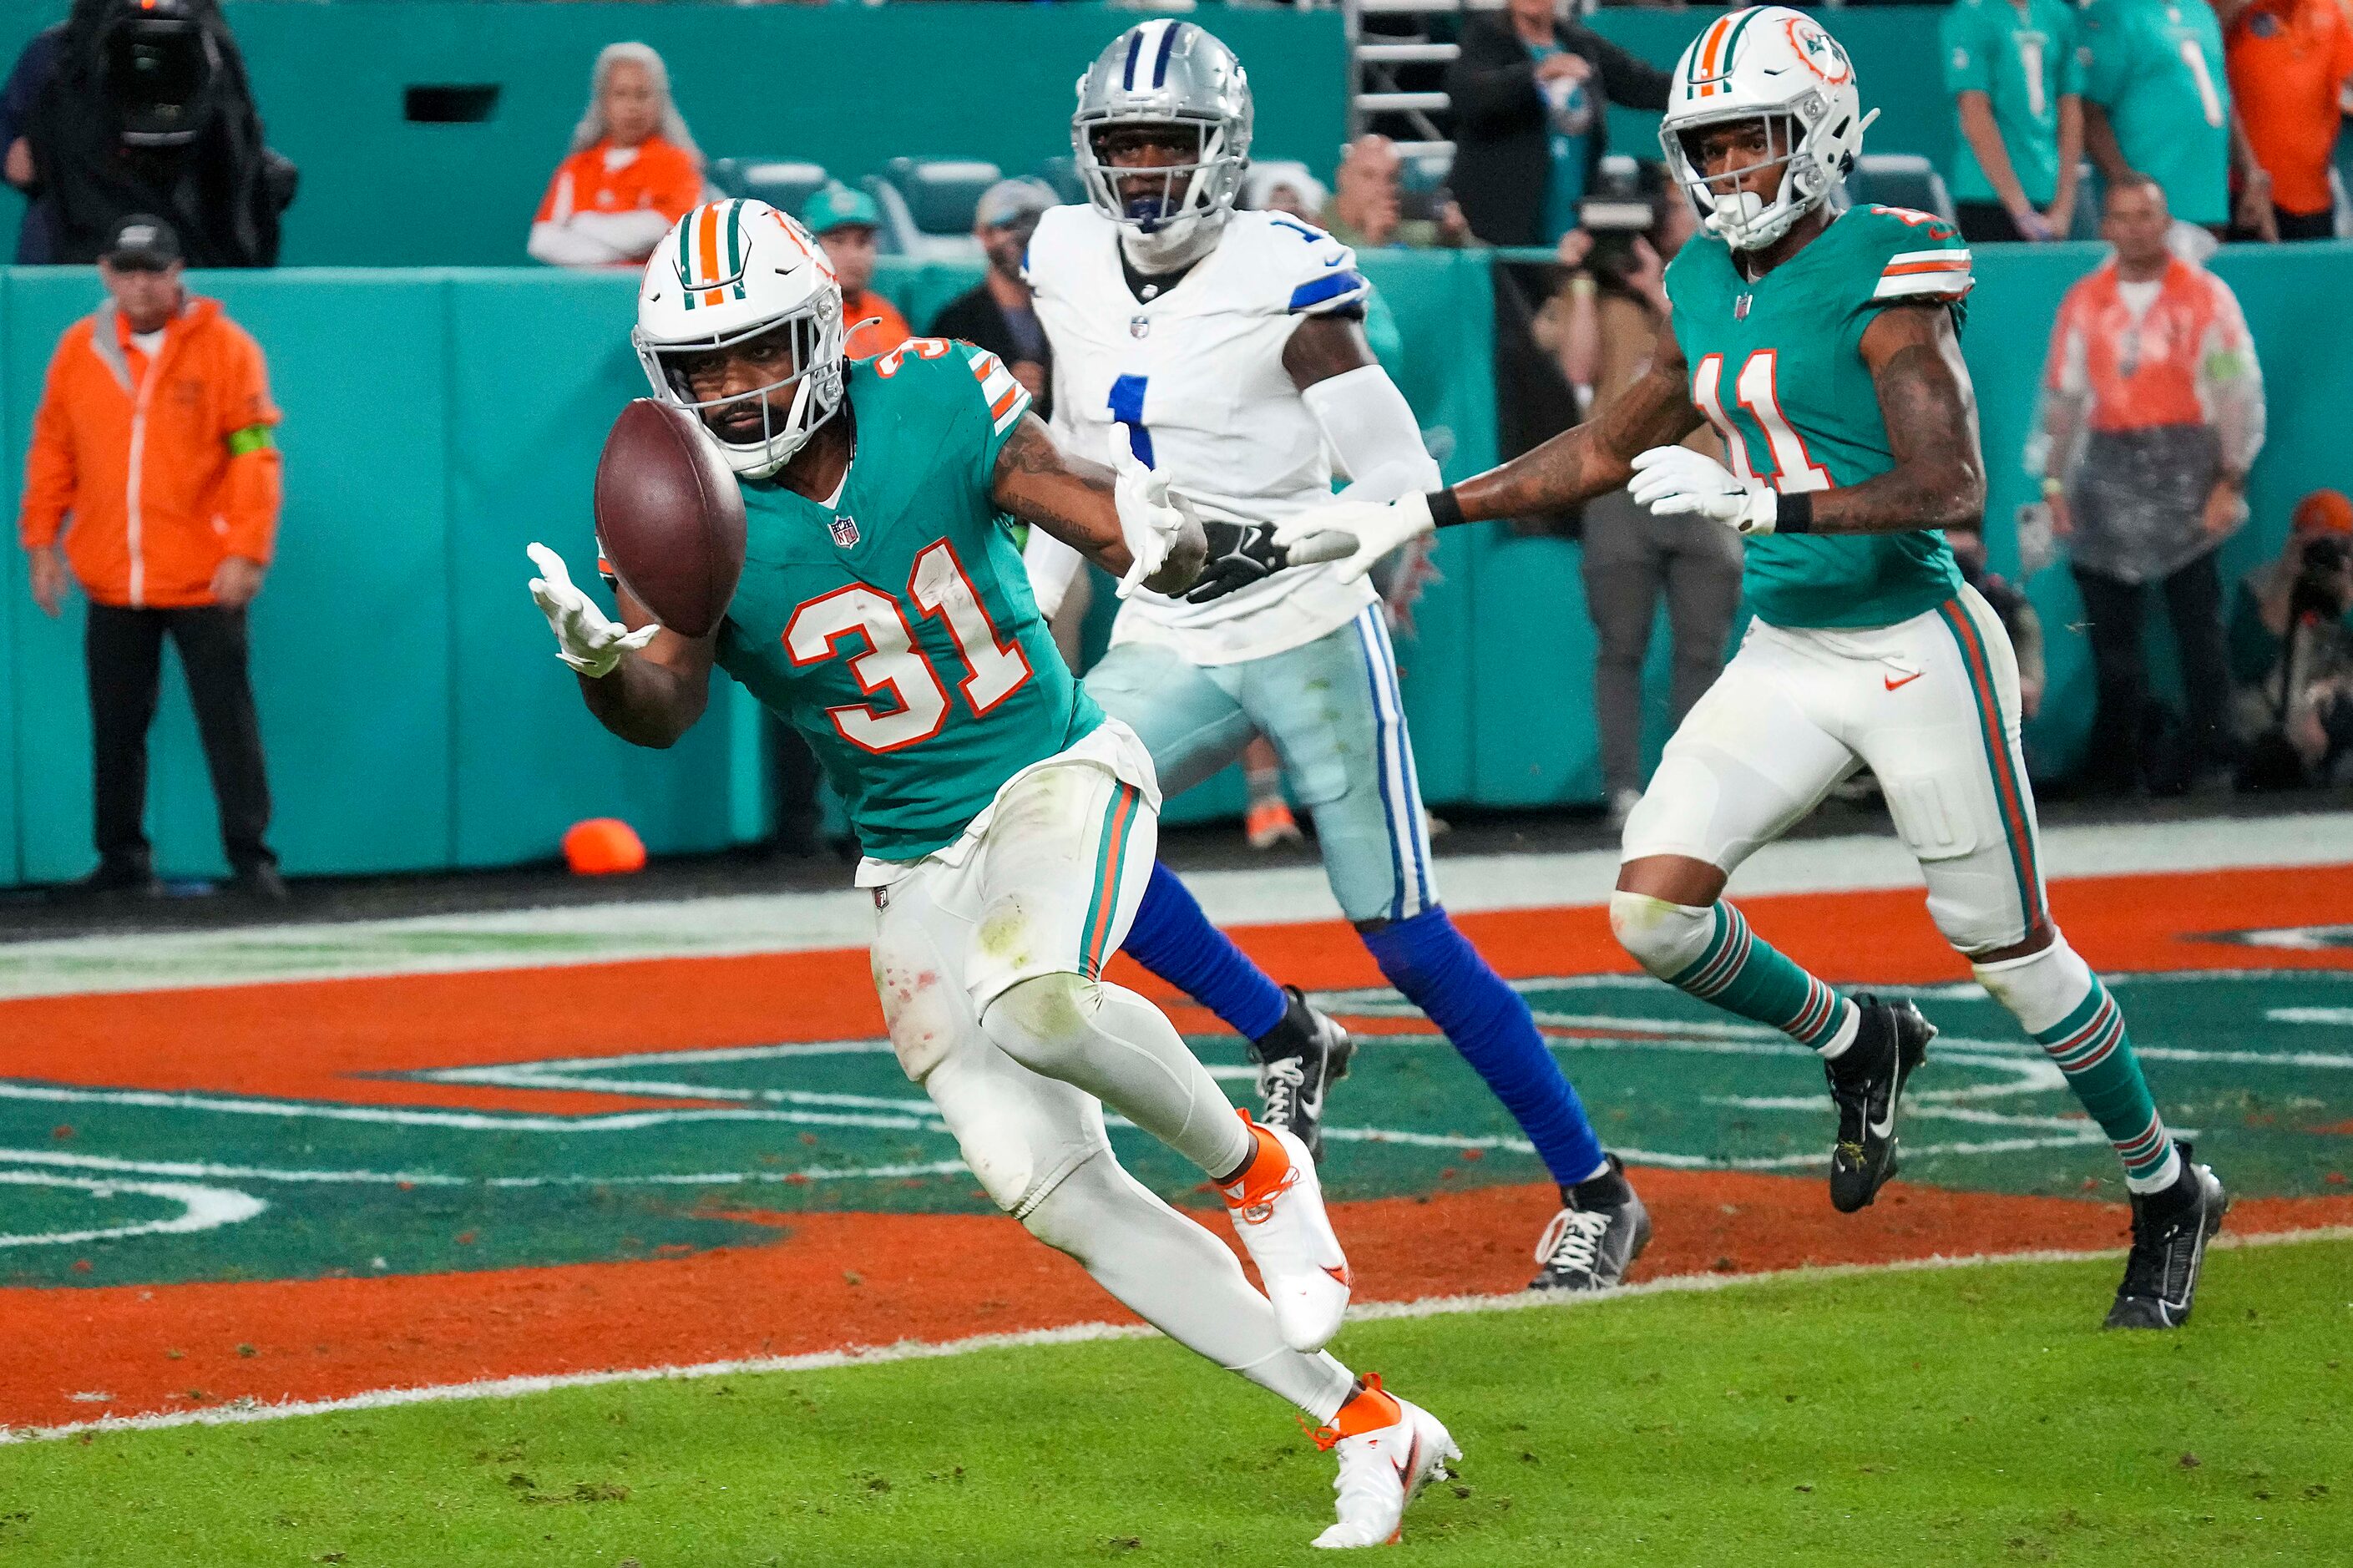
(670, 518)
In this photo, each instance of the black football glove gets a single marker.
(1240, 553)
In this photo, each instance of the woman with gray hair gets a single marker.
(634, 169)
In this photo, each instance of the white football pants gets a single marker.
(1011, 925)
(1929, 705)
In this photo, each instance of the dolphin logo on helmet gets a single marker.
(730, 272)
(1164, 72)
(1772, 64)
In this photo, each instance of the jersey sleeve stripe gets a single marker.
(1925, 285)
(1959, 264)
(1330, 291)
(1948, 256)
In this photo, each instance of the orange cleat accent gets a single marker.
(1369, 1409)
(1265, 1178)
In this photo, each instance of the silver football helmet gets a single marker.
(1164, 72)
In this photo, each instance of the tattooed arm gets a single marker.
(1597, 456)
(1077, 502)
(1931, 414)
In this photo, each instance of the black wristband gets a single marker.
(1793, 513)
(1445, 511)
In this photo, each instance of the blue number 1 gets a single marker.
(1128, 408)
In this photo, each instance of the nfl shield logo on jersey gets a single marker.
(1740, 308)
(844, 528)
(1139, 326)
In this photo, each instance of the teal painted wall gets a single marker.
(437, 421)
(850, 86)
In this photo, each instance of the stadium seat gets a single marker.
(1062, 174)
(1900, 180)
(930, 203)
(782, 183)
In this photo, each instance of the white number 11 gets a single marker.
(1793, 468)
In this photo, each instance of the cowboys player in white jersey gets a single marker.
(1225, 350)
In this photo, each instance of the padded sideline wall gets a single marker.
(437, 421)
(848, 86)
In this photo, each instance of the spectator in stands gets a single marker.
(2156, 101)
(2012, 67)
(2292, 653)
(2153, 411)
(2291, 65)
(31, 73)
(148, 110)
(996, 315)
(1607, 319)
(173, 502)
(1531, 95)
(1368, 206)
(844, 222)
(1281, 188)
(633, 170)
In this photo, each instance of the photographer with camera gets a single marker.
(148, 112)
(2292, 653)
(1603, 326)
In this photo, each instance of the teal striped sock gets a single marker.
(1743, 975)
(2092, 1049)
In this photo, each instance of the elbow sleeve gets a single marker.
(1370, 427)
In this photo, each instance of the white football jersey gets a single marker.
(1192, 382)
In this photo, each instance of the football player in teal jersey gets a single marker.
(1823, 347)
(1008, 823)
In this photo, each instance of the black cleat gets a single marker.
(1298, 1060)
(1867, 1082)
(1601, 1228)
(2169, 1231)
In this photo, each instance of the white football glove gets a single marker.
(1151, 516)
(585, 637)
(1356, 534)
(1668, 479)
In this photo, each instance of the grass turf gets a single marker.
(1974, 1416)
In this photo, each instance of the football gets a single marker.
(669, 519)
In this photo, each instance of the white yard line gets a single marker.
(794, 922)
(246, 1411)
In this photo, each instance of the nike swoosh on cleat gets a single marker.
(1341, 1274)
(1893, 683)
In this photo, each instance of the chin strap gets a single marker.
(1180, 244)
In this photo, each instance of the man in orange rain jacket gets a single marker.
(152, 456)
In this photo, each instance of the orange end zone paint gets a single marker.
(837, 1280)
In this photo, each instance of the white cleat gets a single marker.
(1381, 1471)
(1290, 1239)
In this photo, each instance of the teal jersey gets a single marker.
(894, 628)
(2023, 58)
(1777, 366)
(2155, 66)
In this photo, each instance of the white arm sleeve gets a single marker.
(563, 245)
(1053, 566)
(632, 235)
(1371, 429)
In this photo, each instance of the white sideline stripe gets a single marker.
(798, 922)
(243, 1412)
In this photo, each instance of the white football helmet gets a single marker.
(728, 272)
(1776, 65)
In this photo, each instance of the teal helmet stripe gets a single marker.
(686, 260)
(735, 245)
(1732, 44)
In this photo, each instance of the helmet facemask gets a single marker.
(1728, 202)
(810, 342)
(1149, 198)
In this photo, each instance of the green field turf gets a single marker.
(1956, 1416)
